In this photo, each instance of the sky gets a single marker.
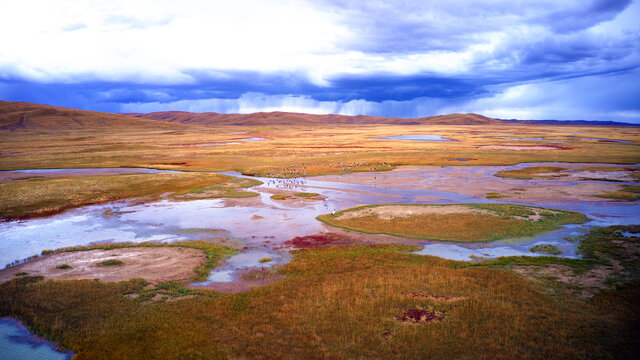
(527, 59)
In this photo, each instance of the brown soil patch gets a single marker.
(395, 211)
(388, 212)
(154, 264)
(585, 285)
(421, 316)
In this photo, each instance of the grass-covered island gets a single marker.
(457, 222)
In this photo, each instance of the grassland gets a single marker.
(532, 172)
(343, 302)
(305, 195)
(232, 188)
(626, 193)
(546, 249)
(461, 222)
(295, 150)
(39, 197)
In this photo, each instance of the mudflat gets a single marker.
(154, 264)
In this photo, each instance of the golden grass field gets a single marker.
(321, 150)
(348, 302)
(39, 197)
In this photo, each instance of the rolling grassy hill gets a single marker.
(28, 116)
(285, 118)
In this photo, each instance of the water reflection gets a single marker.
(17, 343)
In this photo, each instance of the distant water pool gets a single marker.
(416, 138)
(254, 259)
(608, 140)
(218, 144)
(17, 343)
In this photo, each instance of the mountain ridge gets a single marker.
(291, 118)
(30, 116)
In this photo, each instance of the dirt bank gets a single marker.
(154, 264)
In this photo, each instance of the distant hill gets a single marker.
(569, 122)
(285, 118)
(28, 116)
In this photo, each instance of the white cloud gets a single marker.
(608, 97)
(161, 41)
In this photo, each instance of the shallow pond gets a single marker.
(416, 138)
(232, 266)
(253, 139)
(607, 140)
(17, 343)
(218, 144)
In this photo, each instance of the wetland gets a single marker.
(311, 236)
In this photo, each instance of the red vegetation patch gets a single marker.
(421, 316)
(318, 240)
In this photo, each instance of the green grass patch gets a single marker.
(533, 172)
(606, 242)
(64, 266)
(279, 197)
(467, 223)
(111, 262)
(631, 188)
(626, 193)
(495, 195)
(21, 273)
(546, 249)
(265, 260)
(233, 188)
(305, 194)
